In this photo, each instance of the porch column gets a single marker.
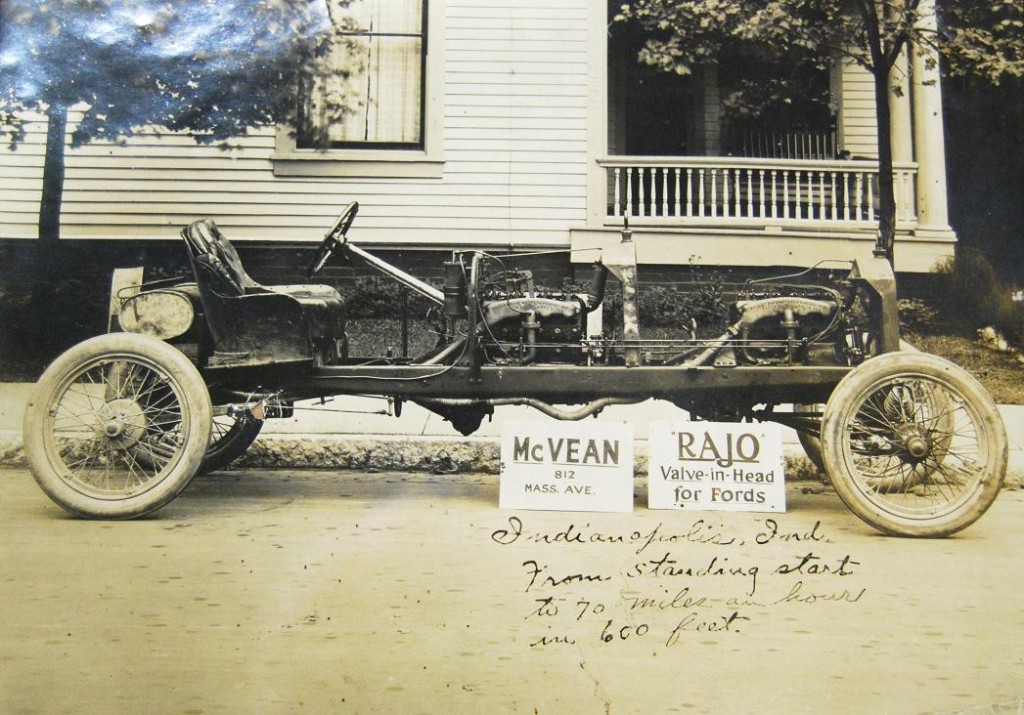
(901, 129)
(929, 147)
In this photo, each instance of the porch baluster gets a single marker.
(822, 202)
(629, 192)
(834, 188)
(760, 194)
(725, 193)
(714, 193)
(689, 192)
(737, 201)
(858, 192)
(811, 201)
(737, 190)
(775, 193)
(700, 180)
(677, 211)
(798, 204)
(750, 194)
(618, 196)
(665, 192)
(845, 178)
(643, 194)
(785, 194)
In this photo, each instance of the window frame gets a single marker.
(382, 160)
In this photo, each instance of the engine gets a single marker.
(516, 323)
(794, 324)
(528, 328)
(783, 330)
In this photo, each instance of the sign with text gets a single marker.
(716, 466)
(566, 466)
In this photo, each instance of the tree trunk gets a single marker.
(880, 69)
(48, 268)
(886, 188)
(53, 177)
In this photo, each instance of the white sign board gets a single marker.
(716, 466)
(566, 466)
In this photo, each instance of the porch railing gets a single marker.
(685, 190)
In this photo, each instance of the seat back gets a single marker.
(215, 261)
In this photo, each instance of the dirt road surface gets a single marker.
(314, 592)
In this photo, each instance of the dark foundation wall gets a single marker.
(92, 262)
(89, 264)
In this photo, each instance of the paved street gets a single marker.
(288, 592)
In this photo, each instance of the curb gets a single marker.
(388, 453)
(368, 440)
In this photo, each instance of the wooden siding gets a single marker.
(21, 171)
(514, 133)
(858, 126)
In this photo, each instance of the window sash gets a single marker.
(384, 53)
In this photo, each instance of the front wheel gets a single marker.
(117, 426)
(914, 445)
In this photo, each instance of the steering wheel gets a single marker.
(334, 239)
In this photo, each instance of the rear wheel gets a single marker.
(914, 445)
(117, 426)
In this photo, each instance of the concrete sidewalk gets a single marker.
(358, 432)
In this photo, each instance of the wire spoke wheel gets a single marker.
(914, 445)
(117, 426)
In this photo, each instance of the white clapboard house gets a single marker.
(528, 125)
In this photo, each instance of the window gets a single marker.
(370, 109)
(381, 59)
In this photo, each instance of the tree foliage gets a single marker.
(981, 37)
(212, 68)
(984, 38)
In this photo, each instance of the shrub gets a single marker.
(671, 306)
(1011, 321)
(917, 315)
(972, 296)
(381, 297)
(971, 290)
(666, 305)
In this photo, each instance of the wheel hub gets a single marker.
(916, 442)
(122, 422)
